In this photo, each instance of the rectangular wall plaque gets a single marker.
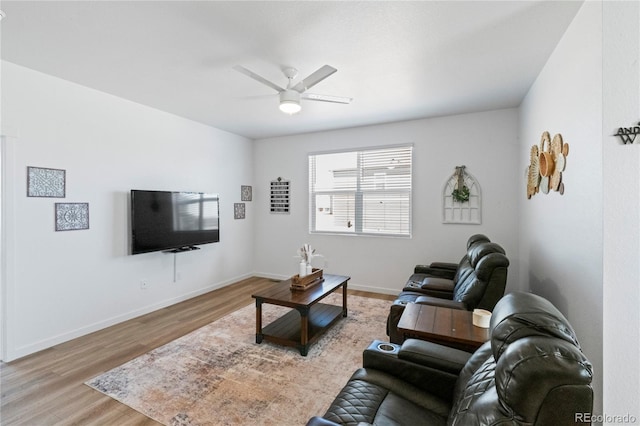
(72, 216)
(246, 193)
(280, 196)
(43, 182)
(238, 210)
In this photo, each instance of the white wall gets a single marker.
(64, 284)
(621, 103)
(561, 235)
(485, 142)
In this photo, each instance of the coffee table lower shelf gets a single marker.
(289, 329)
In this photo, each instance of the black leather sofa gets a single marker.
(531, 372)
(477, 282)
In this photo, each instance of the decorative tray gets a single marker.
(303, 283)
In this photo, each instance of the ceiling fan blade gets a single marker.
(257, 97)
(314, 78)
(327, 98)
(256, 77)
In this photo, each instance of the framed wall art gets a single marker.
(246, 193)
(72, 216)
(44, 182)
(239, 210)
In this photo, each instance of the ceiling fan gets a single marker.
(290, 97)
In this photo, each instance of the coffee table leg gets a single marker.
(344, 299)
(259, 321)
(304, 330)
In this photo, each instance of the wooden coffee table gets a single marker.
(308, 320)
(448, 327)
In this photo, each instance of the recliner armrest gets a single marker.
(434, 271)
(431, 286)
(437, 284)
(428, 366)
(433, 355)
(444, 265)
(436, 301)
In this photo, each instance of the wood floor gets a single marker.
(47, 388)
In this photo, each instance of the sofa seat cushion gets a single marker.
(377, 398)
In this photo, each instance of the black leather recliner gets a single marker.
(445, 269)
(462, 287)
(479, 282)
(531, 372)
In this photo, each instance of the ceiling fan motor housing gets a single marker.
(290, 101)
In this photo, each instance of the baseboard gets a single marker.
(392, 291)
(271, 276)
(23, 351)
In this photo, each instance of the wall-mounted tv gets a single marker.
(168, 221)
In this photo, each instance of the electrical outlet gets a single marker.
(144, 285)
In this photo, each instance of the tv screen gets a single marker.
(165, 220)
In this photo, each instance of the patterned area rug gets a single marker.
(218, 375)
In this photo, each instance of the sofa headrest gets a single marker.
(536, 369)
(478, 251)
(518, 315)
(477, 238)
(487, 264)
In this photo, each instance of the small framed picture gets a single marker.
(238, 210)
(43, 182)
(245, 193)
(72, 216)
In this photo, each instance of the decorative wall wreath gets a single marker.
(461, 195)
(461, 191)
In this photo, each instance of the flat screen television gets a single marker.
(173, 221)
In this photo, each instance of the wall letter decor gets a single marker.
(628, 134)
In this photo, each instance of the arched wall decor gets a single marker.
(461, 198)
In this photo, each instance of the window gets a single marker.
(366, 192)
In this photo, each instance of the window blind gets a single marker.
(361, 192)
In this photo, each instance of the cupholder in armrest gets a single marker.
(379, 353)
(388, 347)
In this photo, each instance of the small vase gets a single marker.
(309, 269)
(302, 270)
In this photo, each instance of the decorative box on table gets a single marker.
(303, 283)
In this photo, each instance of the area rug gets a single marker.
(218, 375)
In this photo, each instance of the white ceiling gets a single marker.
(398, 60)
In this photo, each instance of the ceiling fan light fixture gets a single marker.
(290, 102)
